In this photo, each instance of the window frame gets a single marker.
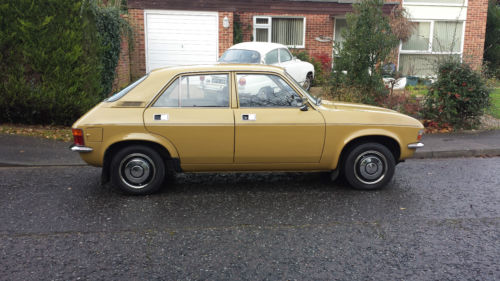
(269, 28)
(429, 51)
(180, 76)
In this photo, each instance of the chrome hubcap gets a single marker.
(370, 167)
(137, 170)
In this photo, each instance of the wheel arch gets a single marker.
(391, 142)
(170, 156)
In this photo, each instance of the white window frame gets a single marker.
(429, 51)
(268, 26)
(430, 3)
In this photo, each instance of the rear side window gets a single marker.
(196, 91)
(125, 91)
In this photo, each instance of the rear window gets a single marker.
(240, 56)
(123, 92)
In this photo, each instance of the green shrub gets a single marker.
(51, 74)
(109, 25)
(458, 97)
(57, 59)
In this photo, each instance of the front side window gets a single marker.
(272, 57)
(285, 55)
(196, 91)
(265, 90)
(288, 31)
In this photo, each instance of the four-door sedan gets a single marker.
(257, 119)
(272, 54)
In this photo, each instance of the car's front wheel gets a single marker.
(138, 170)
(369, 166)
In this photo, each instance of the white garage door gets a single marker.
(180, 38)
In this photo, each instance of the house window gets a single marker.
(289, 31)
(438, 2)
(430, 42)
(340, 26)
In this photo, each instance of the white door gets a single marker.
(180, 38)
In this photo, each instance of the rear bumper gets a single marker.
(415, 145)
(81, 149)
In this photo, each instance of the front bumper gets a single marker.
(79, 148)
(415, 145)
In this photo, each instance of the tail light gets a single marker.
(420, 134)
(78, 137)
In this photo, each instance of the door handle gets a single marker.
(161, 117)
(249, 117)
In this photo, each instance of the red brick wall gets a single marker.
(138, 52)
(316, 25)
(225, 34)
(122, 76)
(475, 28)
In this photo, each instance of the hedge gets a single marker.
(53, 66)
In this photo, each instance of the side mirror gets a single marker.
(304, 107)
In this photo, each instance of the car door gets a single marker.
(270, 127)
(194, 114)
(291, 65)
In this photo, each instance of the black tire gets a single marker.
(369, 166)
(138, 170)
(308, 82)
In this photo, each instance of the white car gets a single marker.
(273, 54)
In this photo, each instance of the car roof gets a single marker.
(261, 47)
(174, 70)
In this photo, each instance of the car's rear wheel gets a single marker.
(369, 166)
(137, 169)
(308, 82)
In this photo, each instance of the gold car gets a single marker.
(237, 118)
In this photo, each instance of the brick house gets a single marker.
(170, 32)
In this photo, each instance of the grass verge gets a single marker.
(48, 132)
(495, 103)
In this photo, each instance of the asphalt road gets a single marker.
(437, 220)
